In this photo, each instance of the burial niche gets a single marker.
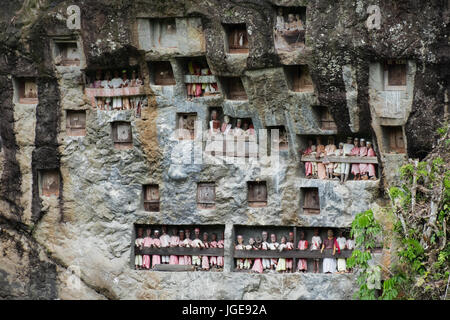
(281, 140)
(206, 195)
(234, 89)
(198, 78)
(310, 197)
(289, 30)
(76, 122)
(186, 125)
(122, 135)
(66, 52)
(237, 38)
(163, 33)
(395, 75)
(299, 78)
(393, 139)
(162, 73)
(326, 119)
(26, 90)
(257, 194)
(49, 182)
(151, 197)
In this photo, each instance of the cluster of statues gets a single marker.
(326, 169)
(195, 90)
(288, 33)
(242, 128)
(116, 82)
(181, 238)
(293, 22)
(260, 265)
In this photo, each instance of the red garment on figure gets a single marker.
(308, 165)
(355, 166)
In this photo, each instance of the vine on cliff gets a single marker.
(420, 204)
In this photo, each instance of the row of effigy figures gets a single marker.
(181, 238)
(356, 148)
(260, 265)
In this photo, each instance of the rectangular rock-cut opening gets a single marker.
(122, 135)
(299, 78)
(280, 138)
(325, 118)
(49, 181)
(151, 197)
(234, 88)
(395, 75)
(66, 53)
(161, 73)
(25, 90)
(393, 139)
(186, 125)
(257, 194)
(198, 77)
(206, 195)
(76, 122)
(119, 88)
(163, 33)
(237, 38)
(290, 27)
(310, 200)
(178, 247)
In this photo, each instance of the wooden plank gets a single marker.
(373, 160)
(302, 254)
(180, 251)
(190, 78)
(173, 267)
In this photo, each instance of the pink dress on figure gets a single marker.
(302, 263)
(205, 260)
(363, 166)
(147, 244)
(371, 166)
(355, 166)
(156, 258)
(308, 165)
(174, 240)
(257, 265)
(289, 262)
(213, 260)
(187, 259)
(220, 258)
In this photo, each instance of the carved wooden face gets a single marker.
(273, 237)
(205, 237)
(140, 232)
(240, 239)
(187, 233)
(330, 233)
(214, 237)
(181, 235)
(264, 236)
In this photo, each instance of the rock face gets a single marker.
(79, 244)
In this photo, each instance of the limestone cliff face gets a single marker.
(79, 244)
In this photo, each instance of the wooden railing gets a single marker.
(180, 251)
(291, 254)
(190, 78)
(335, 159)
(116, 92)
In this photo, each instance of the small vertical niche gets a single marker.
(257, 194)
(395, 75)
(282, 141)
(66, 52)
(234, 88)
(310, 200)
(186, 125)
(162, 73)
(151, 197)
(326, 119)
(393, 139)
(290, 26)
(76, 122)
(122, 135)
(236, 38)
(163, 33)
(299, 78)
(49, 182)
(206, 195)
(25, 90)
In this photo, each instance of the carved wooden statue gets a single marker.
(316, 242)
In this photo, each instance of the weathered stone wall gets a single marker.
(81, 241)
